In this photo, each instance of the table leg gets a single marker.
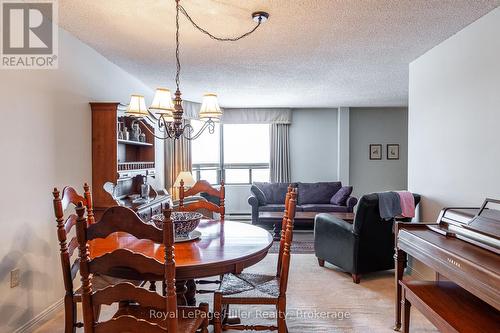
(191, 293)
(406, 315)
(400, 262)
(181, 290)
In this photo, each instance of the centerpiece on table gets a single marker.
(185, 224)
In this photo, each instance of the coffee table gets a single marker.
(300, 218)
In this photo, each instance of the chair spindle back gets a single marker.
(284, 222)
(286, 255)
(205, 187)
(64, 226)
(122, 219)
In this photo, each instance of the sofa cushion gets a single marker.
(261, 197)
(340, 198)
(325, 208)
(272, 208)
(275, 192)
(317, 193)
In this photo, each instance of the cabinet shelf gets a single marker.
(114, 160)
(135, 143)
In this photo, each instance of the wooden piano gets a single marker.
(463, 248)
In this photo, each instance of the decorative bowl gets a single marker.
(184, 222)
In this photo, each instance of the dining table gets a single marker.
(224, 246)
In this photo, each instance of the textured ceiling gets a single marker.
(311, 53)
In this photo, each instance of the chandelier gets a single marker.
(167, 113)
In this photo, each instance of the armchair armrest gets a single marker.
(335, 241)
(325, 221)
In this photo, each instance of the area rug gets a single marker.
(298, 247)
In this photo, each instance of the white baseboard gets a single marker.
(239, 217)
(42, 317)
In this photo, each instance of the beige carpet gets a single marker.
(319, 300)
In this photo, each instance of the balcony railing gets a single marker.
(233, 174)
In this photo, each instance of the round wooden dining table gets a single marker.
(223, 247)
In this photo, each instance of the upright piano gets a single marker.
(463, 246)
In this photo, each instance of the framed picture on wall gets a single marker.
(375, 152)
(393, 152)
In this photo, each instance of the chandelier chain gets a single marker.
(220, 39)
(177, 45)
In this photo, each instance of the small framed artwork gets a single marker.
(376, 152)
(393, 152)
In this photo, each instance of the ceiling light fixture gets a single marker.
(168, 113)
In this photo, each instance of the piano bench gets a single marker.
(448, 306)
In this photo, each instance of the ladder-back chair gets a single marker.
(136, 303)
(246, 288)
(67, 247)
(202, 206)
(202, 186)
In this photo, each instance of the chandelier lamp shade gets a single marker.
(137, 107)
(210, 108)
(167, 111)
(163, 105)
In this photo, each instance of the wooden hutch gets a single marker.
(123, 163)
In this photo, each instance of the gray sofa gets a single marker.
(311, 197)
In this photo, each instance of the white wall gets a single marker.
(313, 145)
(237, 199)
(45, 142)
(454, 117)
(377, 126)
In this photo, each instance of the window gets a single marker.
(205, 154)
(237, 153)
(246, 143)
(205, 149)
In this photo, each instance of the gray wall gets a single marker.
(313, 145)
(377, 126)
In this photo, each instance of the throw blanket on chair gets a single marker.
(407, 202)
(389, 205)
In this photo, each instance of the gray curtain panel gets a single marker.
(280, 153)
(177, 159)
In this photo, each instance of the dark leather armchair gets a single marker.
(365, 246)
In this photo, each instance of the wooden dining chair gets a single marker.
(284, 223)
(202, 186)
(246, 288)
(140, 310)
(67, 247)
